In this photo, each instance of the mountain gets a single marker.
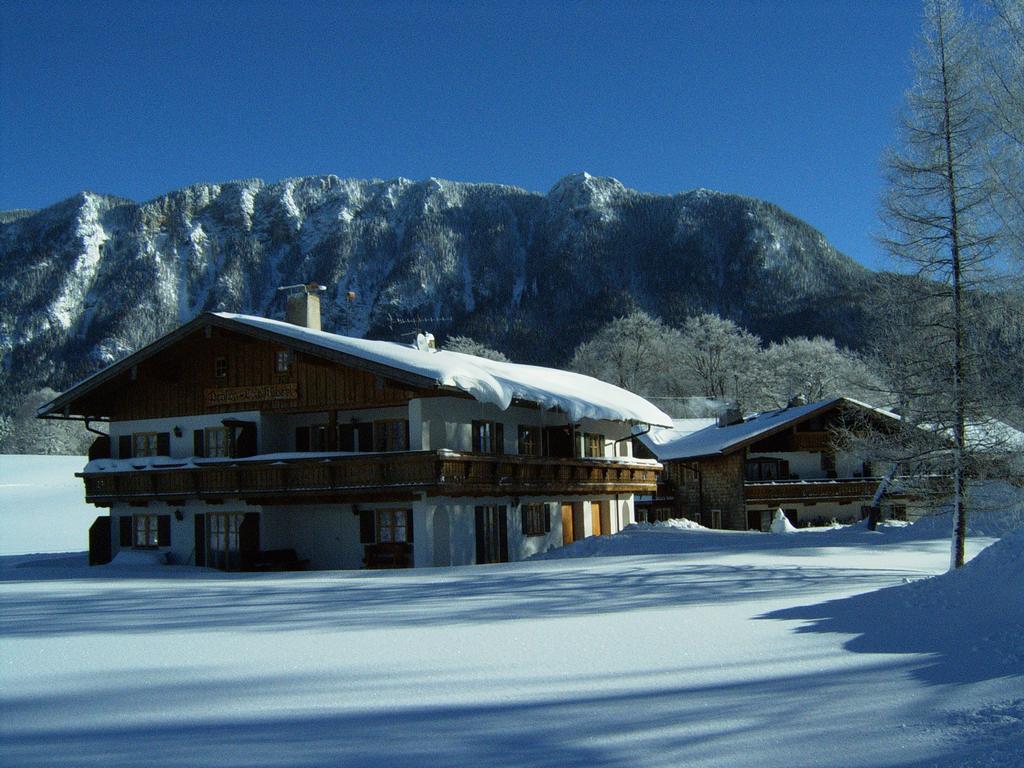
(92, 278)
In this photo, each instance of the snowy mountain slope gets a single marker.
(94, 277)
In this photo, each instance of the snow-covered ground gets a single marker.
(42, 505)
(660, 646)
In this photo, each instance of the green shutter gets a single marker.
(367, 527)
(199, 442)
(302, 438)
(163, 444)
(481, 550)
(163, 531)
(125, 530)
(408, 526)
(124, 447)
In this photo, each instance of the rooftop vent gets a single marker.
(303, 307)
(796, 401)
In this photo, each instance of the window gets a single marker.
(385, 526)
(536, 519)
(355, 436)
(391, 526)
(150, 531)
(391, 435)
(828, 463)
(283, 361)
(220, 367)
(593, 445)
(762, 469)
(150, 444)
(529, 441)
(488, 437)
(217, 442)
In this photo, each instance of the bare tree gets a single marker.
(937, 225)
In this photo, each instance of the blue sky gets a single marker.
(790, 101)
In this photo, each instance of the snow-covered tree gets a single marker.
(720, 359)
(469, 346)
(817, 368)
(1002, 82)
(636, 352)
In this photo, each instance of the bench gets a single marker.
(277, 560)
(398, 555)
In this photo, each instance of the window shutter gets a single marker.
(481, 552)
(249, 534)
(302, 438)
(547, 518)
(503, 533)
(499, 437)
(163, 531)
(346, 437)
(476, 436)
(163, 444)
(125, 530)
(408, 526)
(200, 543)
(524, 518)
(198, 442)
(245, 445)
(365, 433)
(367, 528)
(405, 430)
(124, 447)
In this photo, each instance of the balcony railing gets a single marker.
(349, 476)
(850, 489)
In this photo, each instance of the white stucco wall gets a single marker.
(446, 422)
(181, 447)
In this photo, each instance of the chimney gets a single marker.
(303, 307)
(729, 415)
(796, 401)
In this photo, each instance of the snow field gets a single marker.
(659, 646)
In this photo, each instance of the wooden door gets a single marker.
(595, 517)
(567, 537)
(491, 534)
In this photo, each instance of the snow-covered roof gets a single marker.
(712, 440)
(488, 381)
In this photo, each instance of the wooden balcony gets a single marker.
(369, 477)
(810, 490)
(842, 489)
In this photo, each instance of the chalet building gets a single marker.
(238, 442)
(734, 472)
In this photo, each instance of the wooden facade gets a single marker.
(186, 379)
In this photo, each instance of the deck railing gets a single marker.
(840, 488)
(444, 473)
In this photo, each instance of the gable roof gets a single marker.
(487, 381)
(674, 443)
